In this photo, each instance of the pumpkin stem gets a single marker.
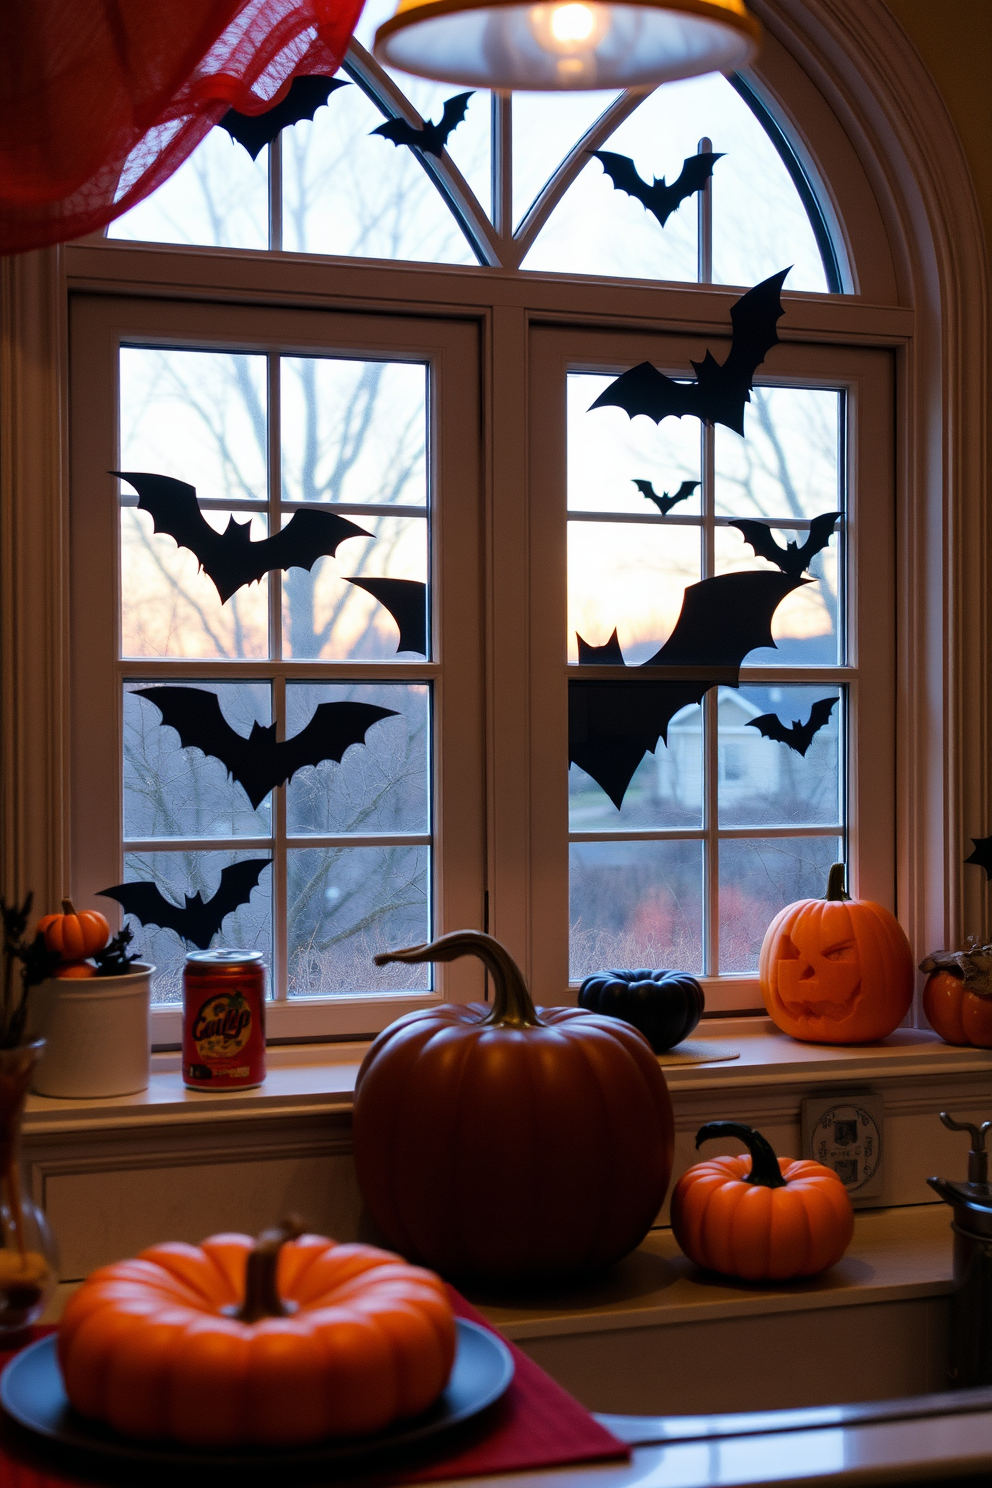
(765, 1171)
(262, 1297)
(835, 883)
(68, 907)
(512, 1006)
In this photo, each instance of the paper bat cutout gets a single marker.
(664, 502)
(659, 198)
(611, 726)
(197, 921)
(982, 856)
(260, 762)
(721, 389)
(800, 736)
(230, 558)
(254, 131)
(406, 601)
(433, 137)
(792, 559)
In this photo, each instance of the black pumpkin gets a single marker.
(663, 1005)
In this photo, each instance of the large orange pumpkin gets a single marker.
(758, 1216)
(74, 936)
(276, 1344)
(957, 997)
(836, 970)
(509, 1144)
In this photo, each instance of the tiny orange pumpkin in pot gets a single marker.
(74, 936)
(836, 970)
(957, 998)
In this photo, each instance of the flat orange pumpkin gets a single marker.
(182, 1342)
(836, 970)
(959, 1015)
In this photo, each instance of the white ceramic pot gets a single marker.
(97, 1034)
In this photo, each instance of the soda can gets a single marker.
(223, 1020)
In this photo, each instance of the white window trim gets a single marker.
(875, 134)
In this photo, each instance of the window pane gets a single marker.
(760, 877)
(789, 463)
(805, 625)
(346, 904)
(379, 786)
(629, 577)
(218, 197)
(182, 873)
(764, 781)
(198, 416)
(354, 431)
(635, 904)
(666, 790)
(545, 127)
(170, 791)
(349, 192)
(608, 452)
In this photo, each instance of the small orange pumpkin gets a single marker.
(957, 997)
(73, 970)
(279, 1343)
(74, 936)
(836, 970)
(760, 1217)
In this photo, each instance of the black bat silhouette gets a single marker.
(800, 736)
(260, 762)
(254, 131)
(792, 559)
(613, 724)
(664, 502)
(721, 389)
(659, 198)
(433, 137)
(982, 856)
(406, 601)
(197, 921)
(230, 558)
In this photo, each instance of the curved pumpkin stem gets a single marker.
(68, 907)
(262, 1297)
(765, 1171)
(835, 884)
(512, 1006)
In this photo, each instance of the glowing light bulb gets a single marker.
(572, 22)
(570, 30)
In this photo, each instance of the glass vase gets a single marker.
(28, 1254)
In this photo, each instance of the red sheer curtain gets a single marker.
(101, 100)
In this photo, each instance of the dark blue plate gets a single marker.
(32, 1393)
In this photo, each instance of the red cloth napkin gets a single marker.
(536, 1424)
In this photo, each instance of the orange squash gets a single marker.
(74, 936)
(279, 1343)
(836, 970)
(954, 1009)
(760, 1217)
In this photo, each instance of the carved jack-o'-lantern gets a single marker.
(836, 970)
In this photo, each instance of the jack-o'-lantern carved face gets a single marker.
(836, 970)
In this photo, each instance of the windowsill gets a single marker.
(316, 1079)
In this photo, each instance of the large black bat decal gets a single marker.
(196, 921)
(433, 137)
(664, 502)
(658, 197)
(613, 724)
(800, 736)
(792, 559)
(305, 96)
(406, 601)
(721, 389)
(260, 762)
(230, 558)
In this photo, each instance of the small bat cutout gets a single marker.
(261, 762)
(800, 736)
(230, 558)
(721, 389)
(433, 138)
(982, 856)
(660, 199)
(197, 921)
(792, 559)
(611, 726)
(664, 502)
(406, 601)
(254, 131)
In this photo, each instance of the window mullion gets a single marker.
(280, 974)
(275, 194)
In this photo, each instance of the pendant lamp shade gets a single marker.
(567, 44)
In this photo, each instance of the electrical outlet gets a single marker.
(845, 1131)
